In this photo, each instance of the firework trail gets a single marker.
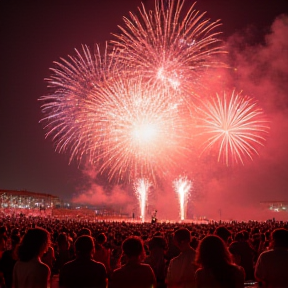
(168, 47)
(141, 187)
(234, 125)
(182, 187)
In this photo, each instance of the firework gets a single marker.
(136, 132)
(72, 84)
(182, 187)
(167, 48)
(141, 187)
(125, 127)
(234, 125)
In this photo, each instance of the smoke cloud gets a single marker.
(219, 192)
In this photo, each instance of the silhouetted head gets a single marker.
(280, 238)
(223, 233)
(85, 231)
(101, 238)
(63, 242)
(182, 234)
(84, 246)
(212, 252)
(239, 236)
(157, 242)
(33, 244)
(182, 238)
(15, 240)
(133, 247)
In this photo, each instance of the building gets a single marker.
(15, 199)
(275, 206)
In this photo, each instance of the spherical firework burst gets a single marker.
(73, 83)
(168, 47)
(141, 133)
(235, 126)
(125, 127)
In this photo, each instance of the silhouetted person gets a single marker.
(272, 265)
(156, 259)
(102, 254)
(83, 271)
(216, 265)
(223, 233)
(243, 255)
(182, 268)
(29, 270)
(63, 254)
(8, 260)
(134, 273)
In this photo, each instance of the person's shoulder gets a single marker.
(17, 264)
(146, 267)
(234, 244)
(40, 267)
(238, 270)
(192, 251)
(43, 266)
(203, 274)
(68, 265)
(97, 264)
(199, 271)
(70, 262)
(6, 254)
(266, 254)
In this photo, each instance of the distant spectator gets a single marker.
(102, 254)
(134, 273)
(216, 265)
(85, 231)
(29, 270)
(83, 271)
(3, 239)
(272, 265)
(49, 258)
(223, 233)
(243, 254)
(63, 254)
(156, 259)
(8, 260)
(182, 268)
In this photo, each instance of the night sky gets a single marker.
(36, 33)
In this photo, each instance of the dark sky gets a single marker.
(36, 33)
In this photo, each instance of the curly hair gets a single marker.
(33, 244)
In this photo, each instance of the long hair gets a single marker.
(33, 244)
(212, 254)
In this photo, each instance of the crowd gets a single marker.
(34, 251)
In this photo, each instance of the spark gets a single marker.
(182, 186)
(141, 187)
(123, 126)
(235, 125)
(143, 132)
(72, 84)
(168, 45)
